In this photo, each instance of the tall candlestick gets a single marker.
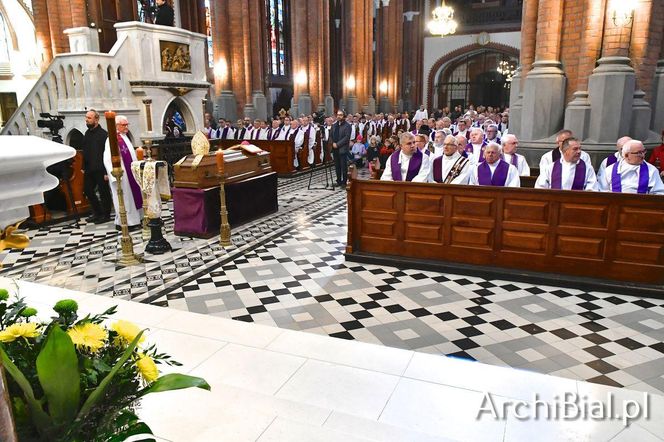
(139, 153)
(112, 138)
(220, 161)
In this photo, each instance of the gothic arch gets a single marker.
(187, 113)
(450, 56)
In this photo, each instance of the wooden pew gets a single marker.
(605, 236)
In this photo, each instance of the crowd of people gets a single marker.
(473, 146)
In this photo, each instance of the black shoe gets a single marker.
(92, 218)
(102, 220)
(130, 228)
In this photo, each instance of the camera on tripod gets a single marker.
(53, 123)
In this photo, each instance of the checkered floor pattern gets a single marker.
(289, 271)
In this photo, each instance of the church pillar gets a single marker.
(225, 104)
(657, 122)
(358, 55)
(308, 49)
(527, 56)
(612, 84)
(413, 37)
(544, 85)
(577, 114)
(325, 65)
(389, 54)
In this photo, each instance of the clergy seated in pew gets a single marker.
(407, 163)
(451, 167)
(494, 171)
(597, 235)
(510, 144)
(633, 174)
(569, 172)
(611, 159)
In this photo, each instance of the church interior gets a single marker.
(321, 298)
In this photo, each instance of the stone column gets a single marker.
(413, 34)
(527, 56)
(544, 85)
(577, 114)
(310, 73)
(612, 85)
(389, 53)
(657, 122)
(358, 54)
(225, 104)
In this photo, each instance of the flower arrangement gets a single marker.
(74, 379)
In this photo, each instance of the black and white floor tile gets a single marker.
(289, 271)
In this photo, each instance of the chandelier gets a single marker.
(507, 69)
(443, 22)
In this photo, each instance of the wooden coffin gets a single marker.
(241, 162)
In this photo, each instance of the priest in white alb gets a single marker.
(633, 174)
(407, 163)
(133, 200)
(451, 167)
(569, 172)
(494, 171)
(510, 143)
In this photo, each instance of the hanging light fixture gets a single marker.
(443, 22)
(507, 69)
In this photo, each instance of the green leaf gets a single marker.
(175, 381)
(96, 395)
(41, 419)
(57, 369)
(130, 425)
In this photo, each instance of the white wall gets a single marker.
(436, 47)
(24, 61)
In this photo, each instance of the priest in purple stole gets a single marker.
(407, 163)
(632, 174)
(616, 157)
(569, 172)
(132, 192)
(494, 171)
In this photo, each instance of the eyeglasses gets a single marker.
(640, 152)
(123, 124)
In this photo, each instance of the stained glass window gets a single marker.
(208, 33)
(277, 18)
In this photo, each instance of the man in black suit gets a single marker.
(94, 172)
(340, 144)
(165, 15)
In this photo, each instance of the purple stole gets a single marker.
(579, 176)
(224, 134)
(275, 133)
(257, 133)
(514, 161)
(555, 154)
(438, 169)
(126, 162)
(611, 159)
(499, 175)
(470, 149)
(413, 165)
(644, 178)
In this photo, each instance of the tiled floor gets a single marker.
(289, 272)
(273, 384)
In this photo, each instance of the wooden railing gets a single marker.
(609, 236)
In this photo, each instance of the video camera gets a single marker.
(53, 123)
(319, 117)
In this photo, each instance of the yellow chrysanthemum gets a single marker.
(19, 330)
(126, 332)
(147, 368)
(88, 336)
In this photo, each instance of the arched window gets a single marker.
(4, 40)
(474, 79)
(278, 34)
